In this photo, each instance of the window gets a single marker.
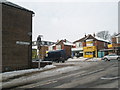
(58, 47)
(50, 48)
(48, 43)
(79, 44)
(112, 55)
(89, 53)
(118, 39)
(45, 43)
(42, 43)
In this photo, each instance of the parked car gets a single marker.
(111, 57)
(56, 56)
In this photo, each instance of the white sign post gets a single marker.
(39, 47)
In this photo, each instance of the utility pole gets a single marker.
(39, 47)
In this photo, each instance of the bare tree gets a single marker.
(104, 35)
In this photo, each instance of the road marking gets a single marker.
(38, 84)
(109, 78)
(55, 80)
(82, 73)
(90, 72)
(51, 81)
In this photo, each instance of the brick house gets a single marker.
(77, 49)
(116, 44)
(15, 36)
(62, 45)
(90, 46)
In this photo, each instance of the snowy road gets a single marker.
(74, 75)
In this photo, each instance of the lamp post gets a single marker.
(39, 47)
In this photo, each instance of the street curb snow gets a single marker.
(17, 74)
(85, 59)
(25, 81)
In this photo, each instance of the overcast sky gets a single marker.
(71, 19)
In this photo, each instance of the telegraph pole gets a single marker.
(39, 47)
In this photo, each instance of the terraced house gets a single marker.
(89, 46)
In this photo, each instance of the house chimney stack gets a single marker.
(94, 34)
(64, 40)
(85, 35)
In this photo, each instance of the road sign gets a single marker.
(39, 41)
(22, 43)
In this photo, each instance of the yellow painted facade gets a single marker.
(110, 45)
(90, 51)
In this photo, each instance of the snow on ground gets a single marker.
(94, 59)
(37, 76)
(11, 74)
(25, 79)
(7, 75)
(77, 59)
(84, 59)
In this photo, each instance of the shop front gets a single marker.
(90, 52)
(77, 52)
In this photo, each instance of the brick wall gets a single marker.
(0, 37)
(67, 50)
(100, 45)
(16, 25)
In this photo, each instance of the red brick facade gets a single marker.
(67, 48)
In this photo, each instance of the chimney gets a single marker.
(64, 40)
(85, 35)
(94, 35)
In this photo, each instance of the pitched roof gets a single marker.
(65, 42)
(80, 40)
(68, 43)
(89, 36)
(117, 34)
(100, 39)
(14, 5)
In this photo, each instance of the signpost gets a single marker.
(39, 47)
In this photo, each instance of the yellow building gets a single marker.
(90, 51)
(110, 46)
(92, 46)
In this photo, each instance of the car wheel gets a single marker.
(63, 61)
(105, 59)
(118, 58)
